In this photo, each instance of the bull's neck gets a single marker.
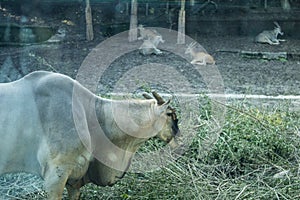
(127, 123)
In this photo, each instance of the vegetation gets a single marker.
(257, 156)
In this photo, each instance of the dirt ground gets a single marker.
(256, 76)
(241, 75)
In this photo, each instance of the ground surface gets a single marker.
(240, 75)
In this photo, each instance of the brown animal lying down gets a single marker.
(199, 57)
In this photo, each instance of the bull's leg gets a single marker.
(73, 191)
(55, 181)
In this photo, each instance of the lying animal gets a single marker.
(146, 34)
(149, 46)
(270, 36)
(151, 39)
(199, 57)
(53, 126)
(59, 36)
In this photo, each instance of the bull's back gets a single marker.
(18, 126)
(31, 109)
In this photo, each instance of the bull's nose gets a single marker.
(178, 133)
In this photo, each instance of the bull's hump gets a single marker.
(37, 75)
(45, 76)
(43, 82)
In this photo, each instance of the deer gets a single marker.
(151, 39)
(270, 36)
(149, 46)
(199, 57)
(146, 33)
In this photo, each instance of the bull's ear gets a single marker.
(163, 108)
(147, 96)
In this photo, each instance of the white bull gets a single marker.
(53, 126)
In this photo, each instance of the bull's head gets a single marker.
(170, 129)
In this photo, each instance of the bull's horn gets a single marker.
(158, 98)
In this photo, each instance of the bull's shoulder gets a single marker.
(46, 83)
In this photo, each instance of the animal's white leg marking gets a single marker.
(56, 177)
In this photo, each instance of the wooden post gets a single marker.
(127, 8)
(266, 4)
(133, 22)
(285, 5)
(181, 24)
(167, 7)
(147, 9)
(192, 3)
(89, 21)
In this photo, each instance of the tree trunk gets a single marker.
(285, 5)
(147, 9)
(133, 22)
(167, 7)
(192, 3)
(266, 4)
(181, 24)
(127, 8)
(89, 21)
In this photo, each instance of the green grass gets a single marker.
(257, 156)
